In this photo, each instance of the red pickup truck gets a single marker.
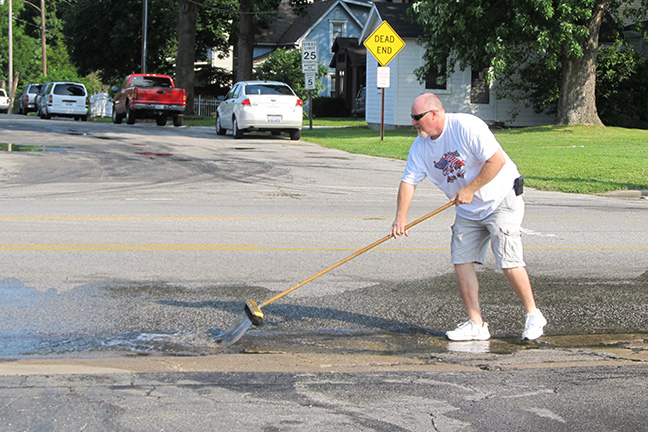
(149, 96)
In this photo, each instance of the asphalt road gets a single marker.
(125, 249)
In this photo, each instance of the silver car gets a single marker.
(266, 106)
(27, 100)
(64, 99)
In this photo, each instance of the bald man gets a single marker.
(460, 155)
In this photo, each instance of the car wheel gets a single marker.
(84, 118)
(116, 118)
(160, 120)
(177, 120)
(220, 130)
(130, 115)
(238, 134)
(295, 134)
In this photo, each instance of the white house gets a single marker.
(464, 91)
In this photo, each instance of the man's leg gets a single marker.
(535, 321)
(469, 289)
(518, 278)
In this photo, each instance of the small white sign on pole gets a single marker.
(383, 77)
(309, 82)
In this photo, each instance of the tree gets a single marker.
(286, 65)
(186, 50)
(514, 38)
(253, 15)
(27, 53)
(106, 36)
(622, 86)
(198, 31)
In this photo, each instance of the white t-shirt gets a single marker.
(455, 158)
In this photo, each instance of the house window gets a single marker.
(436, 80)
(479, 88)
(337, 28)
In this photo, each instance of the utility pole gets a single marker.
(11, 95)
(10, 37)
(42, 10)
(144, 32)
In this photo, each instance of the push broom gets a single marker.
(253, 313)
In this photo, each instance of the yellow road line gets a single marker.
(252, 247)
(184, 218)
(228, 218)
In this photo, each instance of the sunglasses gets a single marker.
(418, 117)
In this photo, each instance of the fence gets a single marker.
(101, 105)
(205, 106)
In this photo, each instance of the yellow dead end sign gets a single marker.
(384, 43)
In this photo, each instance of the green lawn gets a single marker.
(577, 159)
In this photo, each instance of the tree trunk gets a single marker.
(186, 50)
(245, 44)
(577, 102)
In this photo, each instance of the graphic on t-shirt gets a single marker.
(452, 166)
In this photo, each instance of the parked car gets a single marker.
(358, 109)
(27, 100)
(4, 101)
(260, 106)
(39, 95)
(64, 99)
(152, 96)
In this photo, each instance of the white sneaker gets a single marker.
(469, 331)
(534, 325)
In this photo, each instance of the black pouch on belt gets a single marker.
(518, 186)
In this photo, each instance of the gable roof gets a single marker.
(396, 15)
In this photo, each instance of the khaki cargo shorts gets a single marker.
(502, 230)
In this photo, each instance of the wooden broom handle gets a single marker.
(355, 254)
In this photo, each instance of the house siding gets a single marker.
(405, 87)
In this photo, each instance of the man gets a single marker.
(459, 154)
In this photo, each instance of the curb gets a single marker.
(628, 194)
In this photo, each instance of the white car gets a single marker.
(4, 101)
(64, 99)
(260, 106)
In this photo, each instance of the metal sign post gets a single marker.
(384, 43)
(310, 62)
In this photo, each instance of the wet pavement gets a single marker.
(409, 318)
(125, 256)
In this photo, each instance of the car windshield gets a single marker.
(267, 89)
(34, 89)
(69, 90)
(150, 82)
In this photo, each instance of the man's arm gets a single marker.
(405, 196)
(488, 172)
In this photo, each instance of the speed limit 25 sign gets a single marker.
(309, 57)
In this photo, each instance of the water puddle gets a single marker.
(128, 318)
(189, 342)
(19, 148)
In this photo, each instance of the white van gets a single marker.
(64, 99)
